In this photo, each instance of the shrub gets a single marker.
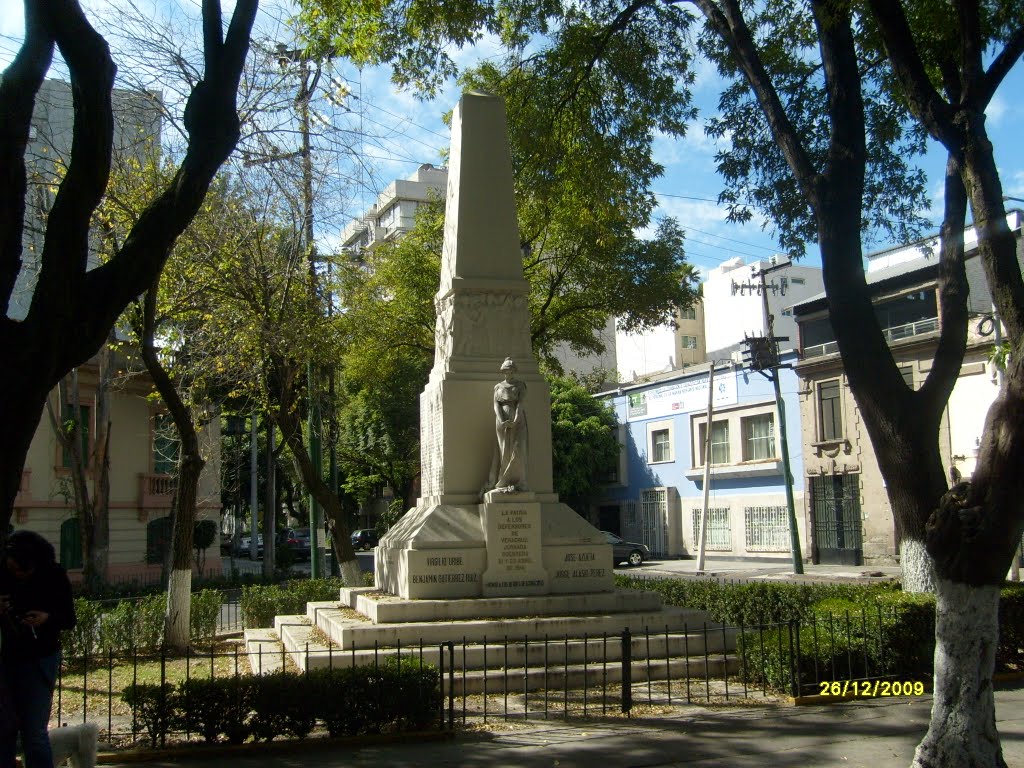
(260, 604)
(133, 624)
(215, 707)
(349, 701)
(204, 613)
(82, 640)
(152, 706)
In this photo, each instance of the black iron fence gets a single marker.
(866, 653)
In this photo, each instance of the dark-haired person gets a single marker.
(35, 605)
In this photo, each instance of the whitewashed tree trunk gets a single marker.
(179, 608)
(351, 573)
(962, 732)
(917, 568)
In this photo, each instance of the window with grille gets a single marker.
(766, 529)
(719, 443)
(758, 437)
(719, 534)
(165, 445)
(661, 445)
(829, 410)
(689, 342)
(690, 313)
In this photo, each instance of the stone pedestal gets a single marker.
(512, 530)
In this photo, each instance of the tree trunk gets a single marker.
(962, 731)
(917, 569)
(177, 619)
(288, 418)
(98, 512)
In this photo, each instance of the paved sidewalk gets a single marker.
(763, 570)
(875, 733)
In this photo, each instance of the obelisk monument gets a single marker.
(464, 539)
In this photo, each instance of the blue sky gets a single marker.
(401, 132)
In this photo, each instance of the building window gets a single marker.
(661, 445)
(165, 445)
(719, 533)
(158, 539)
(71, 544)
(690, 313)
(689, 342)
(830, 413)
(767, 529)
(758, 437)
(719, 443)
(907, 372)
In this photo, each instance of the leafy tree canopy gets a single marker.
(584, 444)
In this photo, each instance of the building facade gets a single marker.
(657, 496)
(849, 516)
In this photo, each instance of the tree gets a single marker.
(73, 308)
(827, 168)
(584, 444)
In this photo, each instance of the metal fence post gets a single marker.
(794, 674)
(627, 671)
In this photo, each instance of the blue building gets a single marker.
(657, 496)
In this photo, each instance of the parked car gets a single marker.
(297, 540)
(365, 538)
(626, 551)
(242, 548)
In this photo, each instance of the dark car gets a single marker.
(365, 538)
(297, 540)
(626, 551)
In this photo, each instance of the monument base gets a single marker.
(514, 546)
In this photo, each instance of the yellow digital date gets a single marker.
(871, 688)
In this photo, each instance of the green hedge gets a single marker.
(348, 701)
(738, 603)
(844, 631)
(260, 604)
(135, 624)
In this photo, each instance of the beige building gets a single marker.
(142, 463)
(847, 509)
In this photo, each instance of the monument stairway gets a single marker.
(499, 646)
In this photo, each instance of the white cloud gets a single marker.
(997, 109)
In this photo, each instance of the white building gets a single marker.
(733, 306)
(394, 211)
(714, 327)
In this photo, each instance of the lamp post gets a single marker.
(235, 427)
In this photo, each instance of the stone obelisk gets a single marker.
(459, 541)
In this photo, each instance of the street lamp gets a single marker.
(235, 427)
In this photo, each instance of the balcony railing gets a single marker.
(896, 333)
(155, 490)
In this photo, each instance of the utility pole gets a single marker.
(254, 499)
(702, 544)
(307, 85)
(773, 374)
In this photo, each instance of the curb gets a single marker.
(200, 751)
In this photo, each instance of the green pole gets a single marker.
(315, 516)
(794, 533)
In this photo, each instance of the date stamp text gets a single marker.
(871, 688)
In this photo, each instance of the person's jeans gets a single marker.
(31, 682)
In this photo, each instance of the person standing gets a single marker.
(35, 606)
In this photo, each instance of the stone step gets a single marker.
(387, 609)
(348, 633)
(265, 651)
(495, 669)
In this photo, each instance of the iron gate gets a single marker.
(835, 510)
